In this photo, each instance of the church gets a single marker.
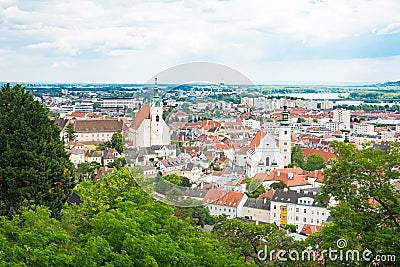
(149, 128)
(268, 152)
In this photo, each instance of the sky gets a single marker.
(269, 41)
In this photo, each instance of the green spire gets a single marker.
(156, 97)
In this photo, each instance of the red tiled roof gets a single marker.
(309, 229)
(257, 139)
(143, 113)
(223, 198)
(208, 124)
(296, 177)
(325, 154)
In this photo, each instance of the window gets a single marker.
(157, 118)
(322, 213)
(274, 207)
(305, 210)
(312, 212)
(297, 218)
(318, 221)
(274, 215)
(267, 161)
(304, 219)
(322, 221)
(285, 143)
(297, 209)
(312, 220)
(317, 212)
(285, 132)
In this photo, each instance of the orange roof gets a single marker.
(289, 176)
(223, 198)
(143, 113)
(268, 194)
(309, 229)
(325, 154)
(77, 114)
(338, 132)
(208, 124)
(257, 139)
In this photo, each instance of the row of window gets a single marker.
(220, 209)
(304, 210)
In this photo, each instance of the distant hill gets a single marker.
(389, 84)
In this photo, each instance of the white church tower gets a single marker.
(285, 141)
(149, 128)
(158, 128)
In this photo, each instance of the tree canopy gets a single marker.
(368, 216)
(34, 167)
(314, 162)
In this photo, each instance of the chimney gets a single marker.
(278, 173)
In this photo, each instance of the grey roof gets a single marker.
(262, 204)
(61, 122)
(291, 196)
(94, 153)
(199, 193)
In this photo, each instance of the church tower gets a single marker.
(159, 131)
(285, 142)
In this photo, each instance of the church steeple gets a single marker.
(156, 96)
(285, 114)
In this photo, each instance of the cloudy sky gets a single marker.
(270, 41)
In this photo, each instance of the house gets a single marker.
(77, 156)
(295, 178)
(297, 208)
(193, 171)
(257, 209)
(221, 202)
(149, 171)
(97, 131)
(93, 156)
(170, 165)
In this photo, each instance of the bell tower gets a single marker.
(285, 142)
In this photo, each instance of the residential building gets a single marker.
(297, 208)
(342, 116)
(225, 202)
(257, 209)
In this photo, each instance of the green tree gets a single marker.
(369, 214)
(278, 185)
(248, 239)
(71, 132)
(185, 181)
(117, 142)
(314, 162)
(118, 163)
(254, 187)
(297, 157)
(173, 178)
(34, 166)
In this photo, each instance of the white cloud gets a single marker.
(61, 64)
(393, 28)
(164, 33)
